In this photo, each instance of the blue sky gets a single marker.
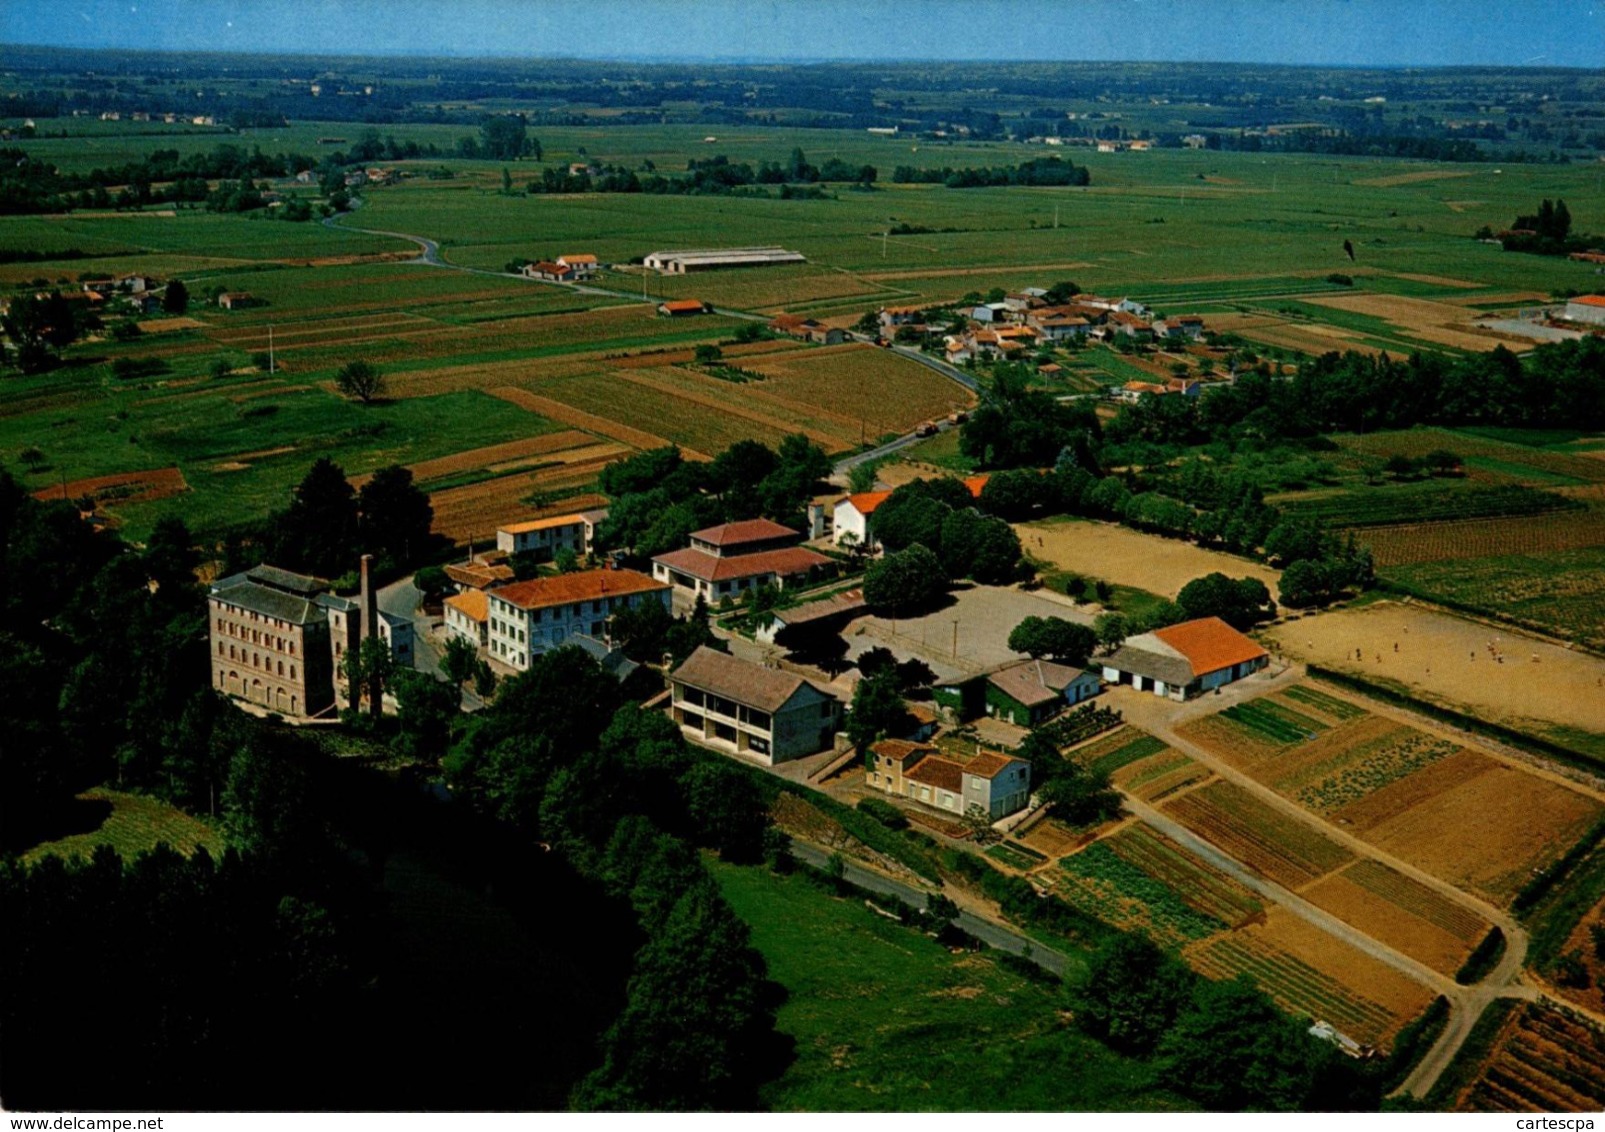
(1347, 32)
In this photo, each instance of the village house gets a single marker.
(1026, 694)
(680, 308)
(583, 266)
(236, 300)
(852, 513)
(467, 615)
(892, 317)
(1185, 660)
(727, 560)
(1055, 325)
(738, 706)
(807, 330)
(996, 784)
(543, 538)
(479, 574)
(1186, 326)
(532, 617)
(549, 272)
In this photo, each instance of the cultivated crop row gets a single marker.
(1545, 1061)
(1161, 775)
(1321, 702)
(1274, 722)
(1406, 752)
(1281, 848)
(1417, 899)
(1204, 888)
(1100, 880)
(1413, 543)
(1300, 988)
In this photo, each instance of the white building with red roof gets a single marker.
(1185, 660)
(732, 558)
(1586, 308)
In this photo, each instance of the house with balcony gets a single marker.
(744, 708)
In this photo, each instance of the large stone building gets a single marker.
(277, 638)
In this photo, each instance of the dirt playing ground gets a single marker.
(1448, 659)
(1120, 555)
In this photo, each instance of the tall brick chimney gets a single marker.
(370, 603)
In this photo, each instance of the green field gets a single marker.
(888, 1020)
(130, 824)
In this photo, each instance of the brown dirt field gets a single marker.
(568, 415)
(1474, 821)
(1542, 1061)
(712, 401)
(683, 357)
(1386, 921)
(1427, 319)
(1413, 178)
(1119, 554)
(491, 455)
(474, 512)
(1161, 776)
(1238, 746)
(124, 487)
(163, 325)
(1438, 280)
(1569, 694)
(1312, 972)
(1306, 338)
(1053, 839)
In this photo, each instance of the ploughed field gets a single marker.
(1480, 823)
(1543, 1059)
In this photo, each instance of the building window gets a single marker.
(292, 672)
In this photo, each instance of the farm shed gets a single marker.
(715, 259)
(1586, 308)
(1185, 660)
(680, 308)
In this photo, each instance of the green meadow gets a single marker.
(886, 1019)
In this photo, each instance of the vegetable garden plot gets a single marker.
(1544, 1060)
(1273, 844)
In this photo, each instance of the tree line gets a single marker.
(1048, 171)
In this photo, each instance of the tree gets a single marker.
(861, 477)
(375, 665)
(1053, 637)
(878, 709)
(221, 368)
(503, 137)
(1308, 582)
(726, 809)
(175, 298)
(432, 583)
(361, 380)
(394, 516)
(978, 825)
(905, 582)
(1111, 630)
(1400, 466)
(1131, 993)
(38, 326)
(1080, 796)
(318, 532)
(1442, 461)
(1239, 602)
(460, 660)
(427, 710)
(707, 355)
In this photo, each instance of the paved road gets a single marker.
(402, 599)
(987, 931)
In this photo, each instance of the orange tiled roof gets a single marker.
(587, 585)
(933, 770)
(713, 568)
(743, 530)
(899, 750)
(866, 501)
(976, 483)
(577, 258)
(542, 524)
(988, 764)
(473, 605)
(1590, 300)
(684, 305)
(1209, 644)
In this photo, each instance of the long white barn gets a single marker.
(712, 259)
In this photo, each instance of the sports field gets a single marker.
(1121, 555)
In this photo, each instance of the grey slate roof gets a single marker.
(267, 601)
(1146, 655)
(1035, 681)
(286, 580)
(739, 680)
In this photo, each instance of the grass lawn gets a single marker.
(886, 1019)
(130, 824)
